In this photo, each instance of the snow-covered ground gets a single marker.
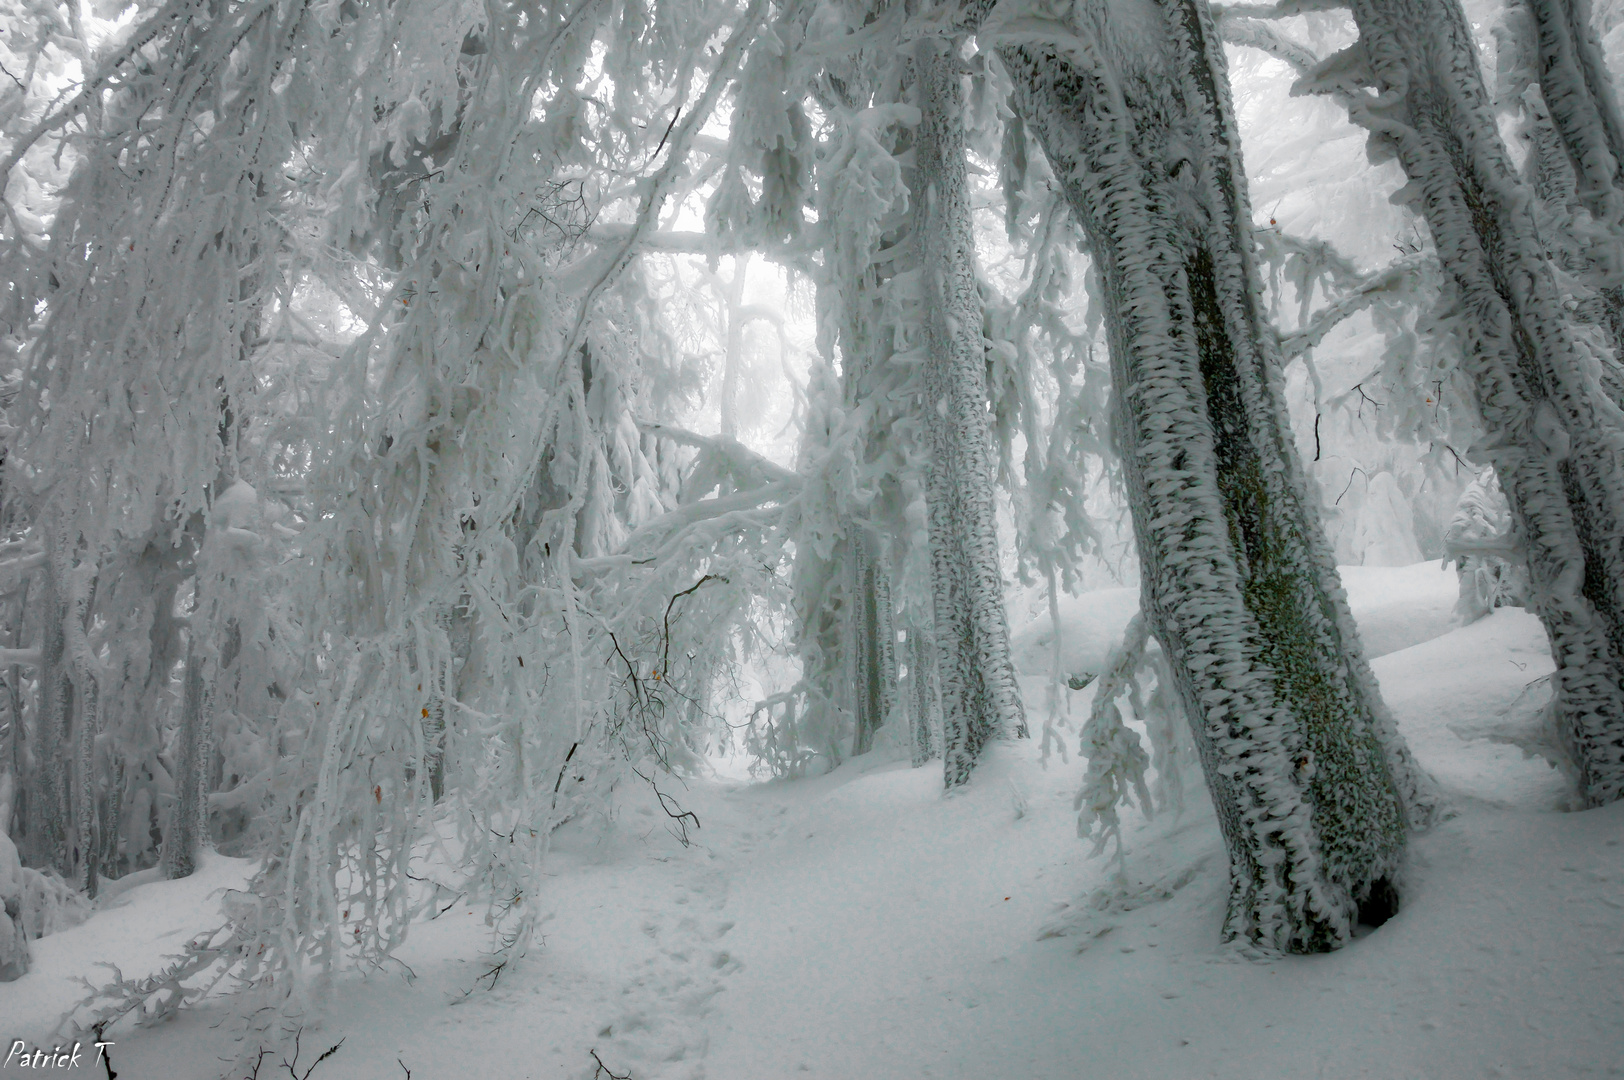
(862, 925)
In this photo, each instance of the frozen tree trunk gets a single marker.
(163, 652)
(733, 355)
(1309, 777)
(1574, 156)
(87, 692)
(1581, 106)
(88, 849)
(873, 639)
(14, 957)
(1573, 80)
(15, 818)
(1554, 437)
(54, 810)
(181, 840)
(441, 690)
(971, 631)
(923, 710)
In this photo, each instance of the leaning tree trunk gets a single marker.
(1573, 80)
(1312, 783)
(1554, 437)
(979, 696)
(1575, 156)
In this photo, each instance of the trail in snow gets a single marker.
(862, 925)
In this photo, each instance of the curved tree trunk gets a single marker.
(1310, 779)
(1555, 438)
(971, 630)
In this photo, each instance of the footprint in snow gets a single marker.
(658, 1031)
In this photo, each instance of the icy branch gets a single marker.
(93, 87)
(744, 461)
(1253, 33)
(1116, 760)
(1391, 279)
(1284, 9)
(669, 173)
(668, 243)
(21, 565)
(682, 522)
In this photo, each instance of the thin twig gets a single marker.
(604, 1070)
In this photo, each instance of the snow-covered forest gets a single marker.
(758, 538)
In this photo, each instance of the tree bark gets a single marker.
(20, 756)
(1549, 51)
(971, 631)
(87, 693)
(873, 639)
(1555, 438)
(182, 839)
(1308, 774)
(923, 707)
(54, 812)
(1573, 80)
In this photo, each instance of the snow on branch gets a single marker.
(664, 242)
(660, 185)
(91, 90)
(21, 565)
(1257, 34)
(744, 463)
(672, 528)
(1396, 276)
(1116, 760)
(1284, 9)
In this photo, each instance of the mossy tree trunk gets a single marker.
(1313, 786)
